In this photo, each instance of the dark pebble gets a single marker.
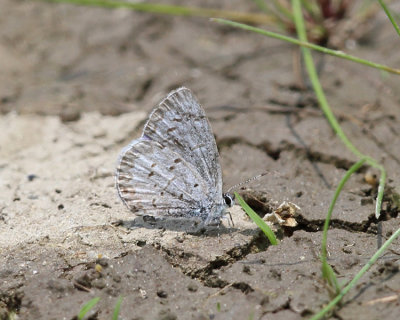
(99, 283)
(70, 114)
(32, 177)
(102, 261)
(162, 294)
(192, 287)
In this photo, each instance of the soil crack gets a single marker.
(206, 274)
(274, 153)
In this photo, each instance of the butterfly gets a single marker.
(173, 169)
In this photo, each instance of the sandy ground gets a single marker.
(77, 85)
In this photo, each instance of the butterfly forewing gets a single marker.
(180, 123)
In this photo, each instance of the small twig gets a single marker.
(382, 300)
(81, 287)
(217, 293)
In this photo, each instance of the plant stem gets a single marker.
(253, 18)
(351, 284)
(389, 15)
(339, 188)
(309, 45)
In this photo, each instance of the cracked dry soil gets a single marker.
(76, 86)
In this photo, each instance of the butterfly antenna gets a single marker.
(247, 181)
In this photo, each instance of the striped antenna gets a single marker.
(247, 181)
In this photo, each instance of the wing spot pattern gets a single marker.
(127, 190)
(176, 141)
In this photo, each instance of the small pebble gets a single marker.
(99, 283)
(98, 268)
(192, 287)
(366, 201)
(162, 294)
(70, 114)
(246, 269)
(371, 179)
(32, 177)
(102, 261)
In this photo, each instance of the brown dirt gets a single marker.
(75, 87)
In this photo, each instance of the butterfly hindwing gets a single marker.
(154, 180)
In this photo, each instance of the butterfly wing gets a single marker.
(154, 180)
(180, 123)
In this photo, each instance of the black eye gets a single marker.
(229, 199)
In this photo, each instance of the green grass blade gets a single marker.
(312, 72)
(389, 15)
(329, 275)
(257, 220)
(327, 271)
(352, 283)
(87, 307)
(326, 108)
(309, 45)
(381, 188)
(117, 308)
(313, 76)
(355, 167)
(253, 18)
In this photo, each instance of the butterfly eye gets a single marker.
(229, 199)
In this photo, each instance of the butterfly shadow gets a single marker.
(189, 226)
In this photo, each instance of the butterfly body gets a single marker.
(173, 169)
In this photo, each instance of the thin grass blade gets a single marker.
(327, 271)
(352, 283)
(87, 307)
(389, 15)
(159, 8)
(257, 220)
(309, 45)
(117, 308)
(329, 275)
(381, 188)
